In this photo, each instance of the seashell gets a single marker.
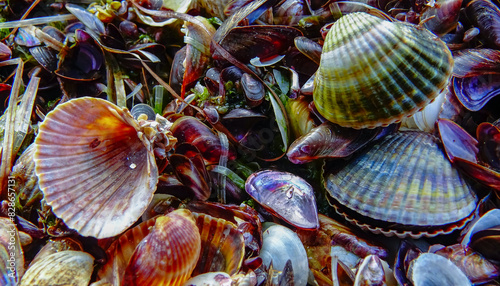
(121, 250)
(475, 267)
(55, 245)
(210, 279)
(491, 219)
(285, 195)
(374, 72)
(370, 272)
(442, 17)
(143, 111)
(280, 244)
(433, 269)
(23, 173)
(485, 15)
(95, 166)
(425, 120)
(67, 267)
(329, 140)
(11, 253)
(191, 130)
(174, 243)
(253, 89)
(393, 187)
(222, 245)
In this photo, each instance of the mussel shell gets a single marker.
(374, 72)
(286, 195)
(406, 181)
(280, 244)
(94, 167)
(433, 269)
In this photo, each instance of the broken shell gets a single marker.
(374, 72)
(62, 268)
(11, 253)
(174, 244)
(96, 169)
(222, 245)
(404, 185)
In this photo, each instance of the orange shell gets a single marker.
(95, 168)
(168, 254)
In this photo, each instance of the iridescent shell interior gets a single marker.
(374, 72)
(403, 185)
(93, 167)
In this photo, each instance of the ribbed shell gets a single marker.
(222, 245)
(168, 254)
(405, 180)
(374, 72)
(94, 167)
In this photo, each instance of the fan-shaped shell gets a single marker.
(222, 245)
(168, 254)
(374, 72)
(67, 267)
(95, 168)
(406, 181)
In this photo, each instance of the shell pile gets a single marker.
(308, 143)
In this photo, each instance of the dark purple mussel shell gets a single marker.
(329, 140)
(253, 89)
(474, 62)
(189, 175)
(462, 150)
(475, 92)
(486, 16)
(83, 61)
(264, 42)
(285, 195)
(190, 129)
(488, 137)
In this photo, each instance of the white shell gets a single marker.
(280, 244)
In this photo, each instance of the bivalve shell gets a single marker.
(168, 254)
(403, 185)
(433, 269)
(374, 72)
(67, 267)
(95, 168)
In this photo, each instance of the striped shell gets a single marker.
(403, 185)
(374, 72)
(95, 167)
(168, 254)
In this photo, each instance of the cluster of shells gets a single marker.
(287, 142)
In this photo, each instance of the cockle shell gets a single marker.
(67, 267)
(374, 72)
(222, 245)
(95, 166)
(168, 254)
(403, 185)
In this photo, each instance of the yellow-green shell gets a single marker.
(406, 181)
(374, 72)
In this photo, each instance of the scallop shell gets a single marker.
(168, 254)
(94, 166)
(402, 185)
(67, 267)
(374, 72)
(223, 246)
(121, 250)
